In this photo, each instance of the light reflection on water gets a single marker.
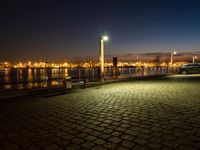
(35, 77)
(6, 76)
(30, 75)
(7, 86)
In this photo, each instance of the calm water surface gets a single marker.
(27, 78)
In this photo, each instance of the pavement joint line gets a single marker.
(149, 114)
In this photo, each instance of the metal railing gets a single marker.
(35, 78)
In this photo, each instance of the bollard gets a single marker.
(68, 82)
(83, 84)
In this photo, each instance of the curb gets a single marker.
(56, 91)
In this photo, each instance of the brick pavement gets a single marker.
(140, 114)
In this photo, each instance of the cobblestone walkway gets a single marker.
(141, 114)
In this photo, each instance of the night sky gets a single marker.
(54, 30)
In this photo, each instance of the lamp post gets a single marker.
(102, 39)
(171, 57)
(193, 59)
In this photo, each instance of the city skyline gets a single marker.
(59, 29)
(126, 57)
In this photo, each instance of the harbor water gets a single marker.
(11, 78)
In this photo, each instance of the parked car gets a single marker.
(190, 68)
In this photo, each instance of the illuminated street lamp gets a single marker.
(193, 58)
(102, 39)
(171, 57)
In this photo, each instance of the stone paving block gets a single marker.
(169, 137)
(171, 144)
(157, 139)
(54, 139)
(146, 113)
(139, 147)
(33, 148)
(82, 135)
(120, 129)
(51, 147)
(73, 147)
(87, 130)
(116, 133)
(100, 129)
(154, 146)
(73, 131)
(144, 136)
(95, 133)
(145, 131)
(127, 137)
(111, 127)
(104, 125)
(107, 121)
(122, 148)
(90, 138)
(63, 143)
(156, 134)
(10, 145)
(92, 126)
(146, 127)
(108, 131)
(110, 145)
(99, 141)
(116, 123)
(184, 147)
(114, 139)
(156, 129)
(77, 141)
(127, 144)
(68, 137)
(133, 133)
(141, 141)
(87, 145)
(98, 147)
(167, 148)
(125, 125)
(104, 136)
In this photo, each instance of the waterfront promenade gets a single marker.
(153, 113)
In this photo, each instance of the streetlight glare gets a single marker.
(105, 38)
(193, 58)
(171, 57)
(102, 39)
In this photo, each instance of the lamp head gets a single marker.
(105, 38)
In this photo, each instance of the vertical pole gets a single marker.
(101, 59)
(171, 59)
(17, 75)
(114, 67)
(193, 59)
(79, 73)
